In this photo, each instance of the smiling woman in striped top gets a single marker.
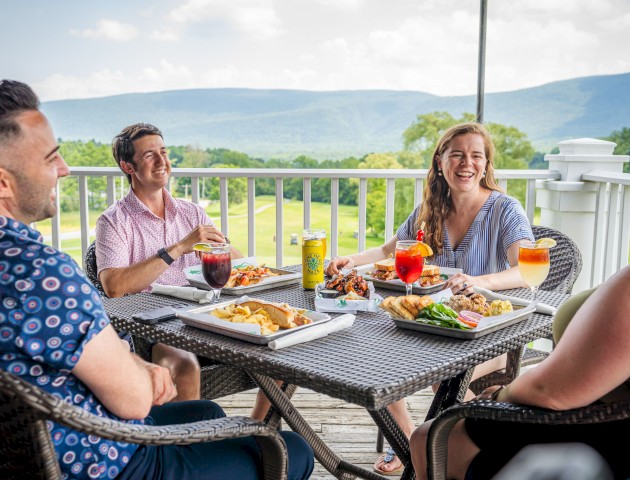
(470, 224)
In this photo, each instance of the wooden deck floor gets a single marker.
(348, 429)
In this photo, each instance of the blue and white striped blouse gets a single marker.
(500, 222)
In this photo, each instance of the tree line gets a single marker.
(513, 151)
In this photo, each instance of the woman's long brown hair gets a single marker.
(436, 203)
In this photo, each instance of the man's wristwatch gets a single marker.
(163, 254)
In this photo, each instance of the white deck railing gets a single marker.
(610, 231)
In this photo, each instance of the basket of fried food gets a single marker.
(346, 292)
(459, 311)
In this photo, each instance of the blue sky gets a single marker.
(79, 49)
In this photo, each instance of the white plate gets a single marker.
(284, 277)
(399, 285)
(200, 317)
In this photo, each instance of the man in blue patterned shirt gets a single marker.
(55, 334)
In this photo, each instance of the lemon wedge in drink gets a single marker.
(202, 247)
(421, 249)
(546, 242)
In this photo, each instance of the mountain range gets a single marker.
(336, 124)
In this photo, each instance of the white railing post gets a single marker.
(251, 219)
(333, 239)
(362, 213)
(278, 237)
(570, 204)
(85, 214)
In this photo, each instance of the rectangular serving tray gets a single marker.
(520, 313)
(399, 285)
(284, 277)
(199, 317)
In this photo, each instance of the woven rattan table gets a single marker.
(372, 364)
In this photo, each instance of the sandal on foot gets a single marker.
(388, 457)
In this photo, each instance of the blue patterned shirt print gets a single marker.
(48, 313)
(500, 222)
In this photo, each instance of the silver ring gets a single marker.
(464, 286)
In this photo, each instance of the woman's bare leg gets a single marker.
(184, 368)
(261, 407)
(461, 451)
(401, 414)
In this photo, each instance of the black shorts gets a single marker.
(501, 441)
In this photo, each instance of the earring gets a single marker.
(440, 173)
(484, 174)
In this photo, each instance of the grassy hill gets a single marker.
(288, 123)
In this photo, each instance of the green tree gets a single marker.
(423, 134)
(513, 149)
(622, 139)
(537, 161)
(85, 154)
(377, 191)
(237, 188)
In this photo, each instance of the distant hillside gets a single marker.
(287, 123)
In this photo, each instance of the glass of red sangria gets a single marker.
(216, 266)
(409, 262)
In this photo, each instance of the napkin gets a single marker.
(187, 293)
(311, 333)
(540, 307)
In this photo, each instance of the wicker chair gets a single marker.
(483, 409)
(26, 448)
(217, 380)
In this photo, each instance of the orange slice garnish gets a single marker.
(421, 249)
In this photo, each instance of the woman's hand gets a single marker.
(462, 284)
(337, 263)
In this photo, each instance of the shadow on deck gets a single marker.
(348, 429)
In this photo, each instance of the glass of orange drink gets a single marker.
(533, 264)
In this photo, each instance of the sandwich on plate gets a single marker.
(384, 270)
(430, 276)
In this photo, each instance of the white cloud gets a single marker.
(254, 17)
(552, 9)
(342, 4)
(164, 76)
(109, 30)
(621, 22)
(163, 36)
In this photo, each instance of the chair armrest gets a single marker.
(49, 407)
(437, 443)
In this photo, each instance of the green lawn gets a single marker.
(293, 214)
(265, 228)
